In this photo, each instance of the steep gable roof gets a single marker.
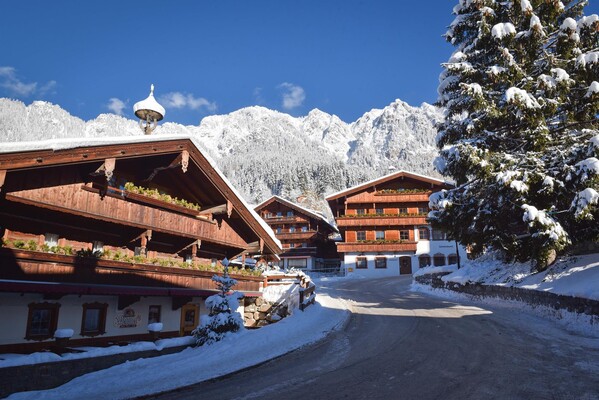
(20, 156)
(387, 178)
(297, 207)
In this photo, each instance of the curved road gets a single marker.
(403, 345)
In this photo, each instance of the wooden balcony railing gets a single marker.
(374, 220)
(296, 235)
(345, 247)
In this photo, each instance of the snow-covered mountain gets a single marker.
(265, 152)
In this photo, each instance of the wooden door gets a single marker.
(190, 315)
(405, 265)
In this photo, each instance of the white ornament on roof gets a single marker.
(149, 112)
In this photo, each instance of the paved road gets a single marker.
(404, 345)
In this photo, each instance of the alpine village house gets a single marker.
(306, 235)
(107, 235)
(384, 228)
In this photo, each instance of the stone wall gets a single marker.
(259, 312)
(532, 297)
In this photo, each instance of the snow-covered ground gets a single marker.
(571, 276)
(193, 365)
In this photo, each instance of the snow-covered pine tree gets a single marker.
(222, 318)
(519, 118)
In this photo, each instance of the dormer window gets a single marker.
(290, 213)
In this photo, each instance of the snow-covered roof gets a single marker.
(74, 143)
(386, 178)
(312, 213)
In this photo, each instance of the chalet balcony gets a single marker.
(298, 235)
(347, 247)
(299, 252)
(382, 220)
(285, 220)
(390, 197)
(25, 265)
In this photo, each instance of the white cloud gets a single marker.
(186, 100)
(116, 105)
(16, 87)
(293, 95)
(258, 95)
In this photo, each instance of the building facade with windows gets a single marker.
(306, 235)
(384, 229)
(109, 235)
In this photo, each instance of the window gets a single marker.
(360, 211)
(279, 214)
(423, 234)
(361, 263)
(93, 322)
(267, 215)
(304, 245)
(51, 239)
(153, 314)
(290, 213)
(379, 211)
(439, 260)
(42, 320)
(361, 235)
(304, 229)
(422, 210)
(291, 245)
(292, 229)
(452, 259)
(404, 235)
(379, 235)
(297, 262)
(279, 230)
(403, 210)
(424, 260)
(380, 262)
(438, 234)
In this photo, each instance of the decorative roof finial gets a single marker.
(149, 112)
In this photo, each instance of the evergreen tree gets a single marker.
(521, 115)
(222, 319)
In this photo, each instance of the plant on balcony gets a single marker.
(155, 194)
(402, 191)
(382, 241)
(373, 215)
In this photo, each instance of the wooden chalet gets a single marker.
(306, 235)
(108, 235)
(384, 228)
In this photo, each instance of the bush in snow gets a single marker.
(520, 135)
(222, 318)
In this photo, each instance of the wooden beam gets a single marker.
(144, 236)
(197, 242)
(182, 160)
(106, 169)
(216, 210)
(2, 178)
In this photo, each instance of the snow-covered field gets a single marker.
(193, 365)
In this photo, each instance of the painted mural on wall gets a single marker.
(127, 318)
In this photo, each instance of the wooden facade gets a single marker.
(383, 224)
(136, 225)
(306, 236)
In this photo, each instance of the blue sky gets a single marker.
(344, 57)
